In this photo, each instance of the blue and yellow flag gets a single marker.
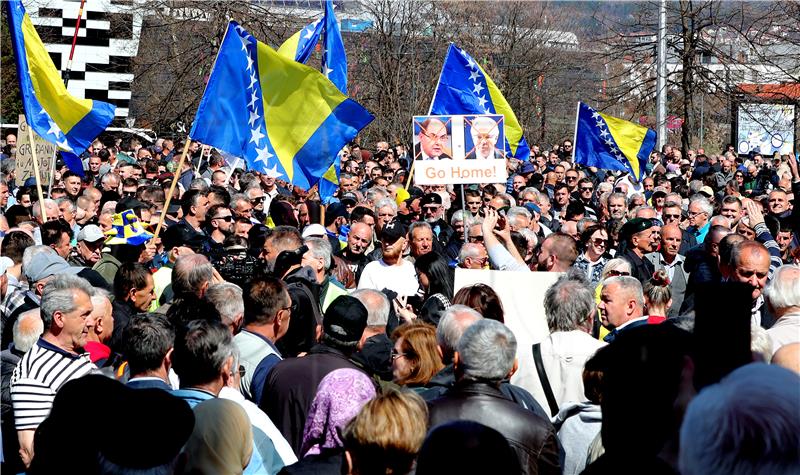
(55, 114)
(610, 143)
(300, 45)
(465, 88)
(281, 116)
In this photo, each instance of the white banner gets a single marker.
(522, 295)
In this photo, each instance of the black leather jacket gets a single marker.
(530, 436)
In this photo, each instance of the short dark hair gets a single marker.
(201, 349)
(224, 195)
(15, 243)
(146, 341)
(190, 198)
(359, 212)
(263, 298)
(130, 275)
(52, 231)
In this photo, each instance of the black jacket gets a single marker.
(532, 438)
(291, 386)
(445, 379)
(306, 312)
(641, 269)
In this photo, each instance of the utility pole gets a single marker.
(661, 83)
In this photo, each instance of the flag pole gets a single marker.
(65, 76)
(410, 173)
(178, 171)
(36, 173)
(200, 162)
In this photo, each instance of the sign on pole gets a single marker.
(44, 152)
(765, 128)
(451, 149)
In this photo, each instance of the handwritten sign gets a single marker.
(44, 153)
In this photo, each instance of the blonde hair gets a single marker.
(656, 290)
(386, 435)
(420, 349)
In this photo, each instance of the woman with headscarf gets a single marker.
(221, 442)
(341, 394)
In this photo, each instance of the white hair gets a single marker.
(747, 423)
(783, 291)
(452, 325)
(487, 350)
(760, 343)
(484, 123)
(25, 341)
(630, 286)
(377, 305)
(704, 204)
(386, 203)
(227, 299)
(320, 248)
(459, 215)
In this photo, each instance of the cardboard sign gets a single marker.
(459, 149)
(522, 295)
(44, 153)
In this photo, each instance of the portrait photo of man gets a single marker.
(485, 132)
(432, 140)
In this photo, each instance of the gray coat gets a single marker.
(678, 282)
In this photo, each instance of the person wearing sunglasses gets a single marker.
(219, 223)
(592, 260)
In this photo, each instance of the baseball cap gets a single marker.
(526, 168)
(345, 319)
(393, 231)
(533, 207)
(180, 235)
(46, 264)
(431, 199)
(706, 190)
(90, 233)
(314, 230)
(349, 198)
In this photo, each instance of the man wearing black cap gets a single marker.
(638, 234)
(292, 384)
(336, 216)
(433, 212)
(391, 271)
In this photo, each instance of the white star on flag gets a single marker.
(328, 71)
(54, 130)
(253, 117)
(482, 101)
(609, 142)
(252, 80)
(253, 99)
(309, 33)
(604, 133)
(273, 172)
(249, 63)
(474, 75)
(263, 154)
(463, 53)
(471, 63)
(256, 135)
(245, 42)
(478, 88)
(595, 115)
(64, 145)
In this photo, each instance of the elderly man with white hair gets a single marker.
(484, 132)
(783, 298)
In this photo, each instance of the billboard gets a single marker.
(765, 128)
(451, 149)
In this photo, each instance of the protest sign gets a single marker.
(459, 149)
(522, 295)
(44, 153)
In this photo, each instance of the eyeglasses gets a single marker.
(396, 355)
(430, 209)
(241, 372)
(671, 216)
(571, 178)
(692, 214)
(587, 188)
(227, 218)
(618, 273)
(259, 199)
(599, 242)
(475, 239)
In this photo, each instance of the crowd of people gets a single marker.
(249, 326)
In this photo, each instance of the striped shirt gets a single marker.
(40, 373)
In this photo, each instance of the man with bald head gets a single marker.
(354, 254)
(670, 259)
(750, 263)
